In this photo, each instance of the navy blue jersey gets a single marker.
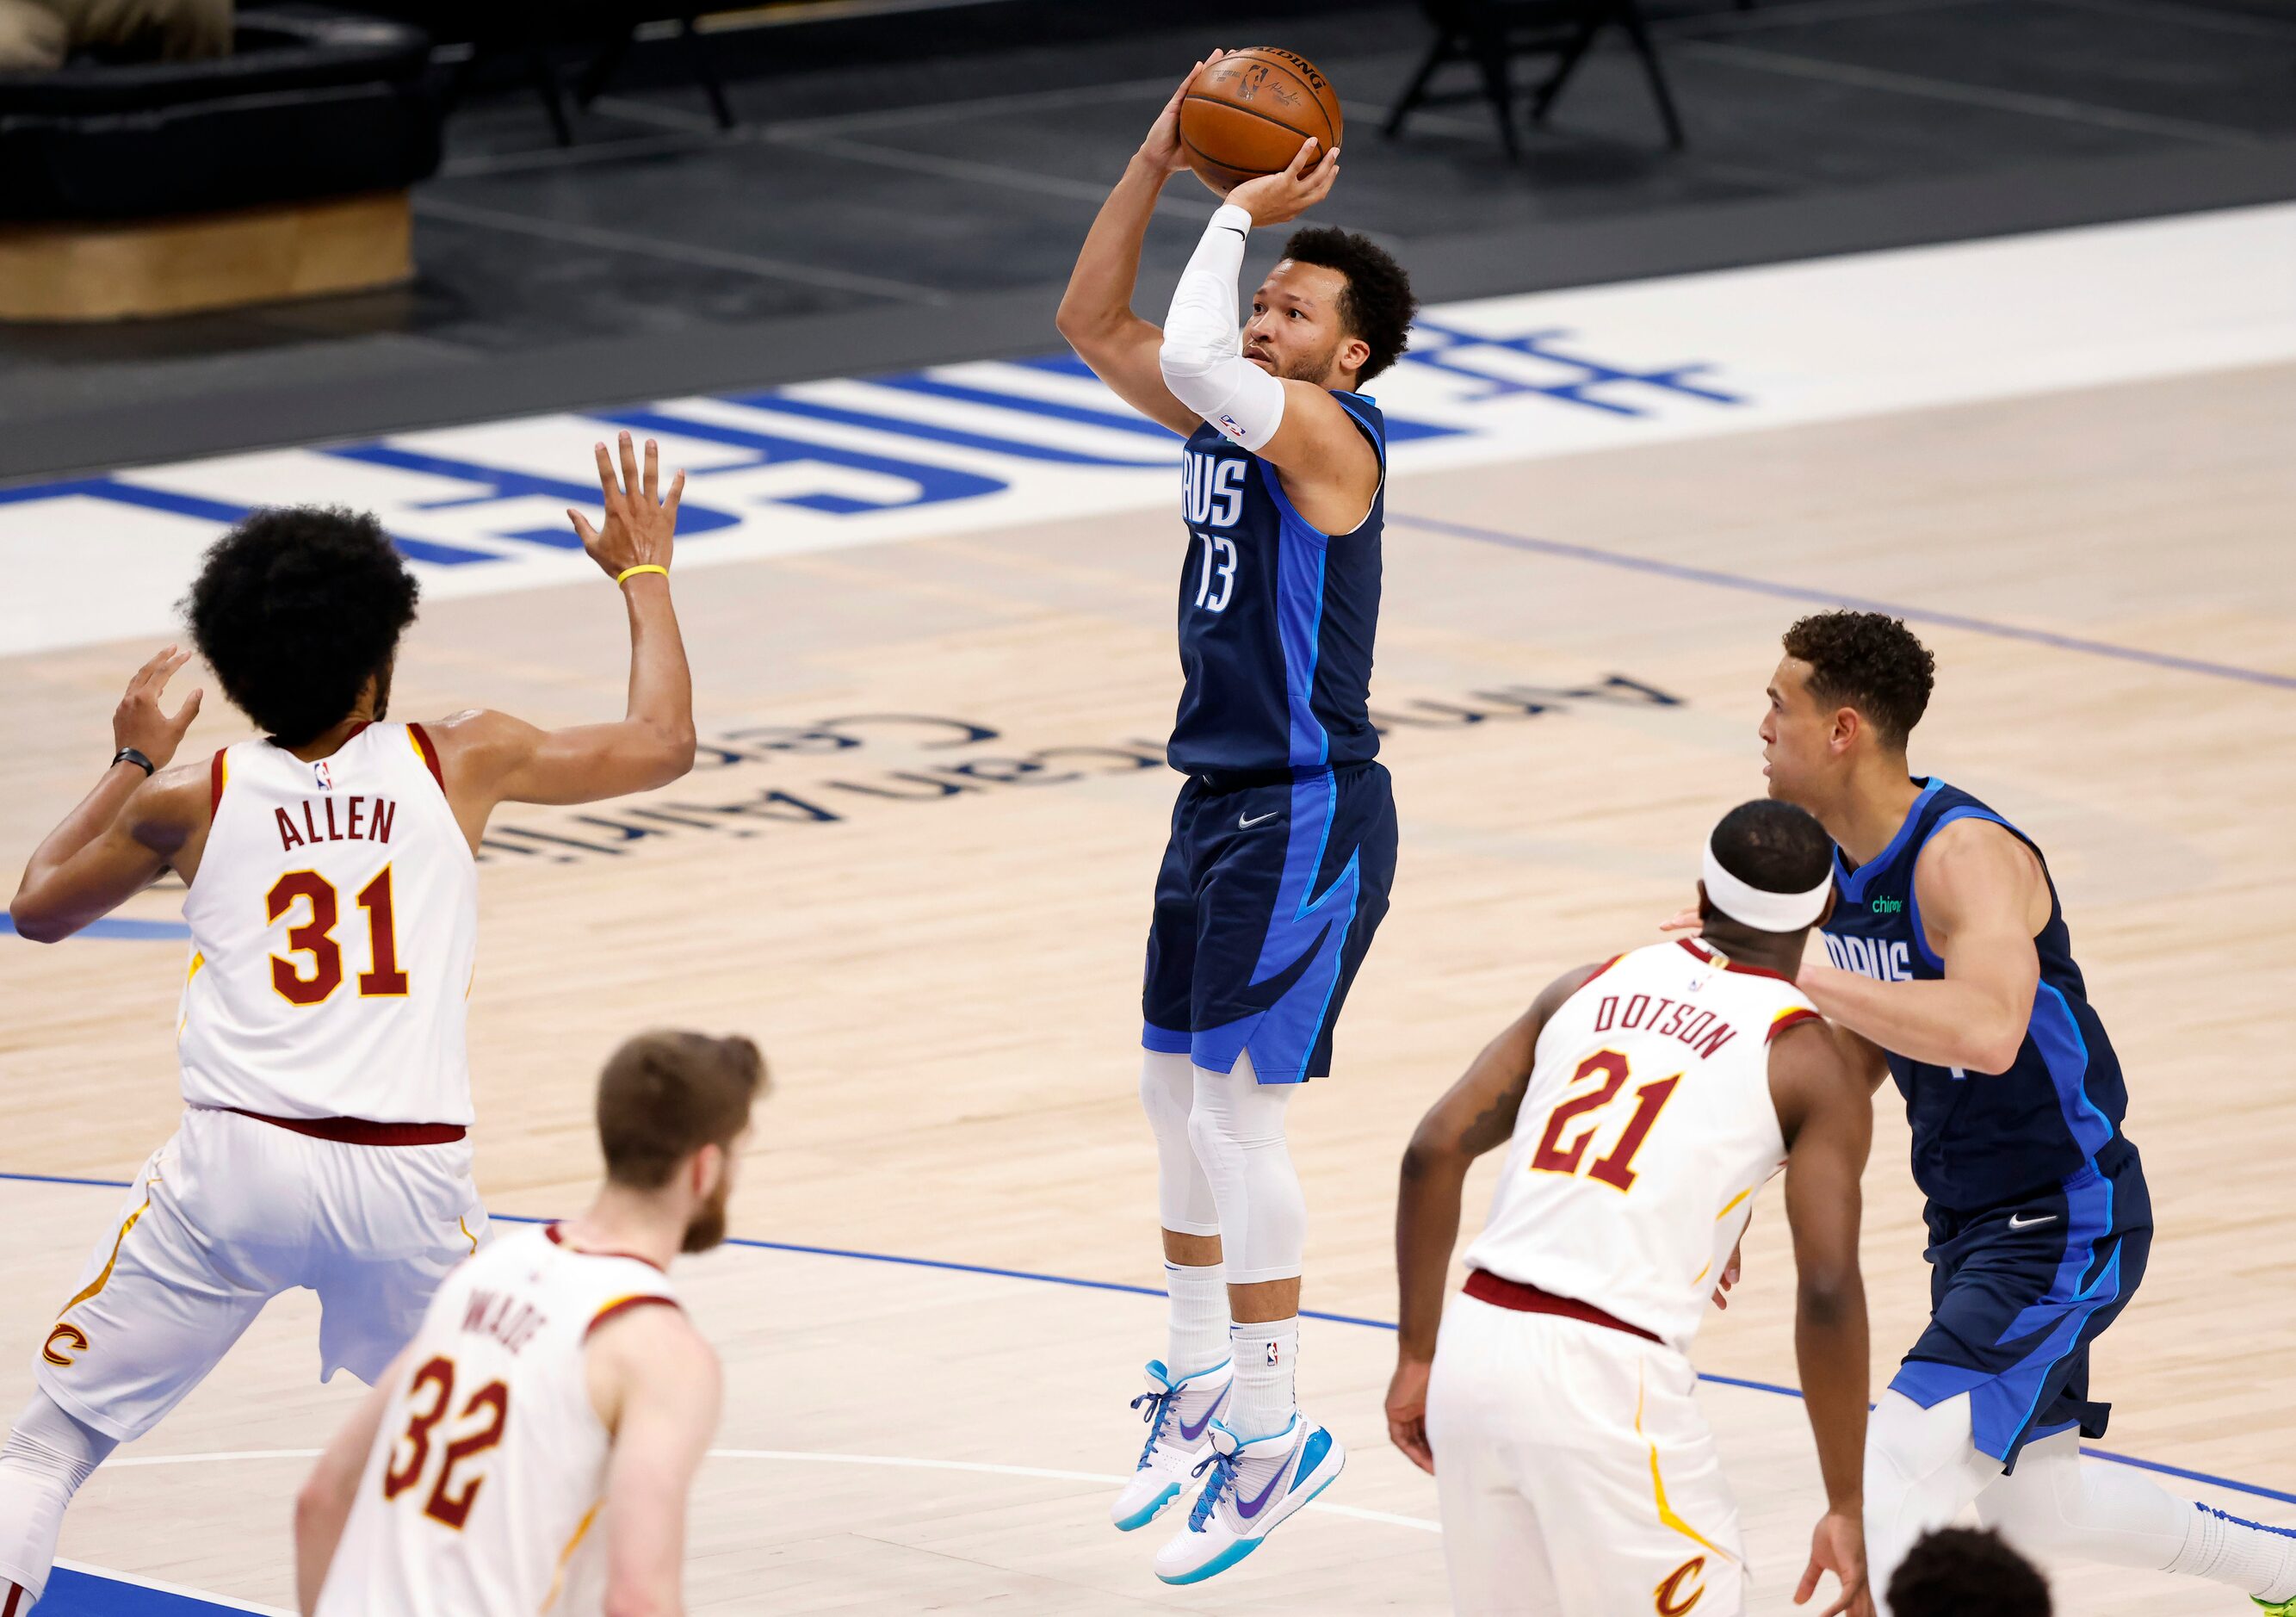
(1980, 1139)
(1276, 618)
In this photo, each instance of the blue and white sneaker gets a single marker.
(1256, 1484)
(1179, 1416)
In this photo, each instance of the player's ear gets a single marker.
(1354, 353)
(1848, 723)
(708, 1166)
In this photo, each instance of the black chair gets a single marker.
(309, 104)
(536, 32)
(1491, 34)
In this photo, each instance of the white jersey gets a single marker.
(482, 1495)
(334, 931)
(1646, 1129)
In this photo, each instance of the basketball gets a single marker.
(1246, 114)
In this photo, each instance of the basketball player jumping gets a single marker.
(555, 1379)
(332, 899)
(1950, 951)
(1283, 841)
(1643, 1104)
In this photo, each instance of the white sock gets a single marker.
(1264, 1400)
(45, 1459)
(2247, 1554)
(2057, 1503)
(1196, 1330)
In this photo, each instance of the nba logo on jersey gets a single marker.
(325, 778)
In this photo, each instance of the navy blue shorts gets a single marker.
(1265, 907)
(2017, 1292)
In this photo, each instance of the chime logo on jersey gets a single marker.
(1670, 1598)
(71, 1336)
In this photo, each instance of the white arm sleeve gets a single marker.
(1202, 358)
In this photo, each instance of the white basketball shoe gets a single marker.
(1179, 1416)
(1254, 1486)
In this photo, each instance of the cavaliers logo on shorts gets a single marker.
(1681, 1590)
(63, 1336)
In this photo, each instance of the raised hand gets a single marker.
(1839, 1547)
(139, 722)
(1162, 147)
(640, 524)
(1306, 180)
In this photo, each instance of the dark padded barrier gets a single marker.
(309, 104)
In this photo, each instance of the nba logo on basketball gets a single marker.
(319, 772)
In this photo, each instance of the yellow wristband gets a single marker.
(628, 573)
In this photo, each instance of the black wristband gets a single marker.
(129, 755)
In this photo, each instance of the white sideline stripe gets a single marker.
(800, 1457)
(187, 1592)
(1508, 380)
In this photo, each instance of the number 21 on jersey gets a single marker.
(1557, 1154)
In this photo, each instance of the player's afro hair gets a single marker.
(1870, 662)
(1959, 1571)
(294, 609)
(1378, 304)
(1774, 846)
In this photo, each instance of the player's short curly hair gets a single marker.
(1378, 304)
(1774, 846)
(1870, 662)
(1959, 1571)
(294, 609)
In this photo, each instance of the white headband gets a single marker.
(1766, 912)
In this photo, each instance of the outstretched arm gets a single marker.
(324, 1506)
(656, 1385)
(1096, 313)
(1983, 898)
(1477, 1115)
(130, 828)
(490, 758)
(1827, 1116)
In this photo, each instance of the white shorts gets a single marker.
(225, 1216)
(1575, 1475)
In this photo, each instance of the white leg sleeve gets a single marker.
(45, 1459)
(1183, 1196)
(1237, 1126)
(1922, 1468)
(1202, 356)
(2056, 1503)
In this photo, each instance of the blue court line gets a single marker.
(2209, 1478)
(117, 926)
(1826, 597)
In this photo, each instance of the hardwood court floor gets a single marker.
(917, 870)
